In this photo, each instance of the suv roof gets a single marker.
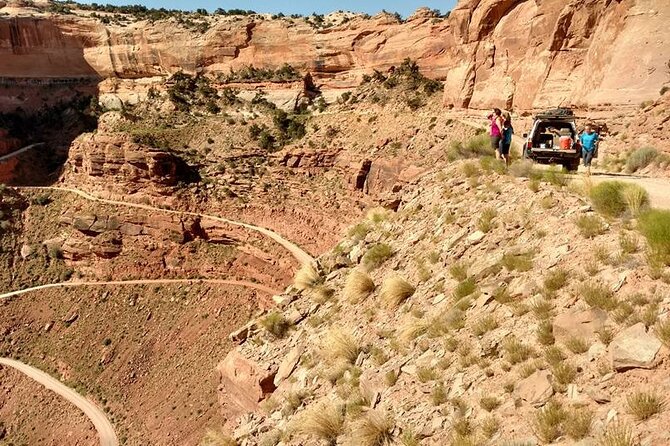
(565, 114)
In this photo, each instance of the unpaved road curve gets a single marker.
(19, 151)
(256, 286)
(300, 255)
(100, 421)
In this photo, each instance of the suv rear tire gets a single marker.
(571, 166)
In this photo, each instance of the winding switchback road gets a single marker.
(100, 421)
(300, 255)
(19, 151)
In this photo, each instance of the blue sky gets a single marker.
(404, 7)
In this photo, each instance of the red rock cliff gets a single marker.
(521, 53)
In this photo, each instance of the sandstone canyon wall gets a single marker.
(520, 53)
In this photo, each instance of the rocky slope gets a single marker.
(491, 52)
(506, 315)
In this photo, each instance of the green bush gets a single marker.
(655, 226)
(640, 159)
(607, 198)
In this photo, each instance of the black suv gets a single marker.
(554, 139)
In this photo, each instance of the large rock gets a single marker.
(579, 324)
(634, 348)
(536, 389)
(244, 383)
(519, 53)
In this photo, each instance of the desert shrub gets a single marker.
(628, 243)
(470, 170)
(358, 286)
(545, 334)
(515, 350)
(485, 221)
(644, 404)
(323, 421)
(338, 344)
(556, 279)
(307, 277)
(377, 255)
(599, 296)
(489, 403)
(276, 324)
(459, 271)
(395, 290)
(636, 198)
(517, 262)
(577, 424)
(465, 288)
(590, 225)
(617, 434)
(484, 325)
(555, 176)
(655, 226)
(478, 145)
(525, 169)
(640, 159)
(374, 429)
(564, 373)
(214, 438)
(662, 331)
(607, 198)
(548, 421)
(577, 345)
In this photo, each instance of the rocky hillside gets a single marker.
(519, 53)
(492, 308)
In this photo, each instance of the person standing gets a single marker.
(506, 137)
(496, 130)
(589, 141)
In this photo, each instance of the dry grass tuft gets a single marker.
(516, 351)
(213, 438)
(599, 296)
(564, 373)
(577, 345)
(618, 434)
(490, 426)
(484, 325)
(545, 333)
(340, 345)
(377, 255)
(276, 324)
(307, 277)
(590, 226)
(359, 285)
(459, 271)
(324, 421)
(662, 330)
(548, 420)
(374, 429)
(395, 290)
(643, 405)
(485, 222)
(578, 423)
(556, 279)
(489, 403)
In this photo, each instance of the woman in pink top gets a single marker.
(496, 130)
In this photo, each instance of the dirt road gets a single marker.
(657, 188)
(300, 255)
(20, 151)
(100, 421)
(256, 286)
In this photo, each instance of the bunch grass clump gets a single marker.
(599, 296)
(395, 290)
(358, 286)
(590, 226)
(374, 429)
(322, 421)
(655, 226)
(377, 255)
(617, 434)
(276, 324)
(644, 404)
(640, 159)
(307, 277)
(339, 344)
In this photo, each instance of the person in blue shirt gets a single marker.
(589, 142)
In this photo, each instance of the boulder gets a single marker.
(243, 384)
(579, 324)
(536, 389)
(634, 348)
